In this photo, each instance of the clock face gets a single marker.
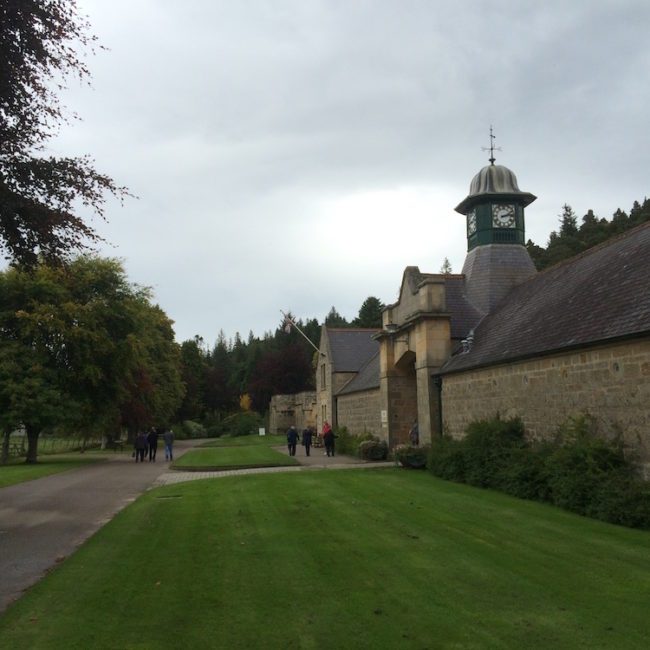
(471, 222)
(503, 215)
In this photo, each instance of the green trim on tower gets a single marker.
(494, 208)
(482, 225)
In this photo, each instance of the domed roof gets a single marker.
(498, 182)
(494, 178)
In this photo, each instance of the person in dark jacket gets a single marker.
(152, 441)
(140, 446)
(306, 439)
(292, 440)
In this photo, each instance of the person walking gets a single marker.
(328, 438)
(292, 440)
(306, 439)
(140, 446)
(152, 441)
(414, 435)
(168, 438)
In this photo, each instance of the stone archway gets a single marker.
(404, 397)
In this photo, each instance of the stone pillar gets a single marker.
(433, 348)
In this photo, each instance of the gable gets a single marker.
(350, 349)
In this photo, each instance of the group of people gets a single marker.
(146, 444)
(293, 438)
(328, 437)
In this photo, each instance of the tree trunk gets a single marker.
(4, 455)
(32, 444)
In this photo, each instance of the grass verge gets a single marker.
(247, 441)
(232, 458)
(17, 471)
(341, 559)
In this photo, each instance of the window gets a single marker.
(323, 377)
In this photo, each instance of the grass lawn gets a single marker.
(16, 471)
(232, 458)
(246, 441)
(341, 559)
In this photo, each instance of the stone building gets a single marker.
(345, 354)
(298, 410)
(500, 338)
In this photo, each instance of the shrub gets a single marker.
(410, 456)
(189, 429)
(489, 448)
(373, 450)
(347, 443)
(446, 459)
(578, 471)
(214, 430)
(241, 424)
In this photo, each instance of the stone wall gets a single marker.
(360, 412)
(298, 409)
(610, 383)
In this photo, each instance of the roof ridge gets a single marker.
(352, 329)
(595, 248)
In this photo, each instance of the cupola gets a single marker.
(494, 208)
(497, 258)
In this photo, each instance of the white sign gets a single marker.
(384, 416)
(262, 431)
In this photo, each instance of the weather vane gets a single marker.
(491, 148)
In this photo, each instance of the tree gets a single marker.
(82, 348)
(446, 267)
(154, 389)
(193, 371)
(280, 372)
(39, 196)
(369, 313)
(568, 222)
(572, 240)
(334, 319)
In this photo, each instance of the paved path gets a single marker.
(316, 461)
(45, 520)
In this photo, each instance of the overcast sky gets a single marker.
(299, 155)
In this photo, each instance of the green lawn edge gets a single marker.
(358, 559)
(231, 458)
(18, 472)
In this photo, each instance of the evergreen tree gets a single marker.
(334, 319)
(571, 240)
(369, 313)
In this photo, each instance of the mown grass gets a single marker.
(342, 559)
(17, 471)
(232, 457)
(246, 441)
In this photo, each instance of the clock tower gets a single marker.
(497, 258)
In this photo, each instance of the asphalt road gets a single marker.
(45, 520)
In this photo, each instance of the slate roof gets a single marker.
(601, 295)
(367, 379)
(351, 348)
(464, 316)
